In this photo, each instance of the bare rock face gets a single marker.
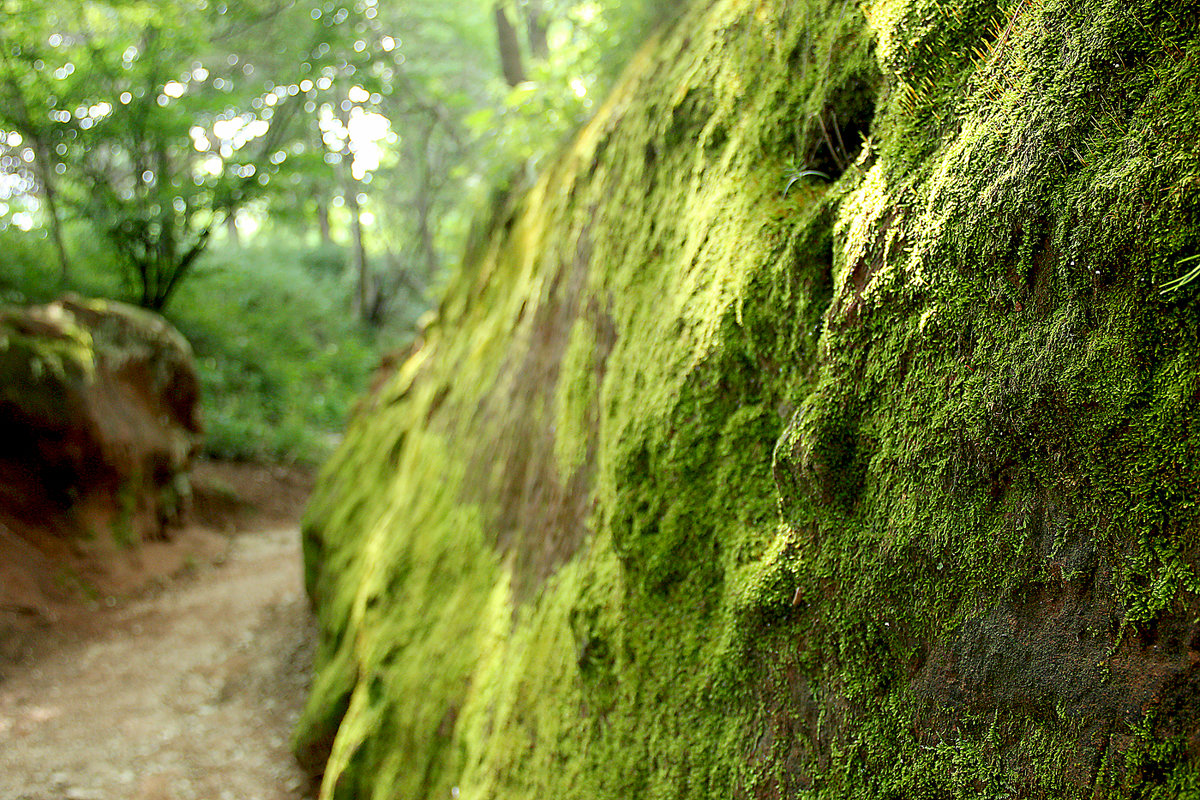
(99, 420)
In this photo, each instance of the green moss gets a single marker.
(38, 363)
(880, 488)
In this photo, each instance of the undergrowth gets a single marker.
(281, 357)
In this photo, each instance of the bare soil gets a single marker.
(170, 683)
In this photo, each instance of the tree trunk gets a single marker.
(45, 175)
(510, 46)
(323, 221)
(424, 203)
(50, 196)
(322, 189)
(361, 264)
(535, 22)
(231, 229)
(350, 195)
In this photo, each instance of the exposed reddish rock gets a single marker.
(99, 421)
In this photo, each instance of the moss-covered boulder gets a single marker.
(814, 427)
(99, 420)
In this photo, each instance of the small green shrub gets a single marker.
(281, 357)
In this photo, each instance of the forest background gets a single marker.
(287, 181)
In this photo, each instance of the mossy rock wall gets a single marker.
(813, 427)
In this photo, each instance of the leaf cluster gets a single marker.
(156, 121)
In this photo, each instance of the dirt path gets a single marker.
(189, 693)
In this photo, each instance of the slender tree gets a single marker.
(511, 62)
(537, 26)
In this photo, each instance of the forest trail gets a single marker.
(187, 692)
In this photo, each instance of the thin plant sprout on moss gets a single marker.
(1182, 280)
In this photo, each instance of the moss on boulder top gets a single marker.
(813, 427)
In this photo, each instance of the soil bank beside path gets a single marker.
(188, 691)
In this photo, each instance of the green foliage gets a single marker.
(328, 261)
(281, 362)
(462, 133)
(154, 121)
(29, 274)
(590, 43)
